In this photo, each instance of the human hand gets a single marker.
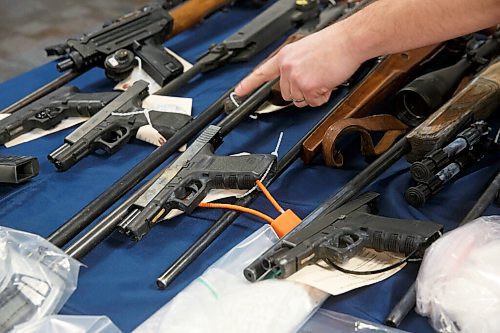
(309, 69)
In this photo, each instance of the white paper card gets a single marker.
(335, 282)
(38, 133)
(139, 74)
(179, 105)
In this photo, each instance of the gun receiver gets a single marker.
(188, 180)
(386, 77)
(17, 169)
(427, 93)
(114, 47)
(338, 235)
(241, 46)
(114, 126)
(50, 110)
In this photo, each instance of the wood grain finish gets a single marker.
(189, 13)
(477, 101)
(384, 80)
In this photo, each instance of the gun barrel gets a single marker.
(84, 217)
(91, 211)
(42, 91)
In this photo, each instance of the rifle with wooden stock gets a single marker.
(388, 75)
(109, 223)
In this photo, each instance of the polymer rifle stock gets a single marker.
(189, 179)
(17, 169)
(389, 75)
(139, 33)
(338, 234)
(428, 92)
(51, 109)
(114, 125)
(244, 44)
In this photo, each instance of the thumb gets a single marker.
(267, 71)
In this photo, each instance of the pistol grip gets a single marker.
(218, 172)
(168, 123)
(158, 63)
(396, 235)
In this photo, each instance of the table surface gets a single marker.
(119, 278)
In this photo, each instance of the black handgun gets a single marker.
(190, 177)
(18, 169)
(138, 34)
(339, 234)
(115, 125)
(50, 110)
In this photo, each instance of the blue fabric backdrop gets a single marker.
(119, 278)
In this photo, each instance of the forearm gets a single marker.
(390, 26)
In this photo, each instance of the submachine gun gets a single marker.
(137, 34)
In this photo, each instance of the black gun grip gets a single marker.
(395, 235)
(208, 171)
(158, 63)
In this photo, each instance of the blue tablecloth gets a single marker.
(119, 279)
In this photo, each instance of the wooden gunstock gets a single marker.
(477, 101)
(383, 80)
(189, 13)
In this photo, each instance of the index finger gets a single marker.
(267, 71)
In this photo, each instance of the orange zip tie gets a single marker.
(263, 216)
(286, 221)
(269, 196)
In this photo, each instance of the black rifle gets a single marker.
(427, 93)
(189, 179)
(407, 302)
(115, 125)
(17, 169)
(338, 234)
(50, 110)
(243, 45)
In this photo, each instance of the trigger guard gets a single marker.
(334, 252)
(110, 142)
(188, 203)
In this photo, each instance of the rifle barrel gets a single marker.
(106, 226)
(42, 91)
